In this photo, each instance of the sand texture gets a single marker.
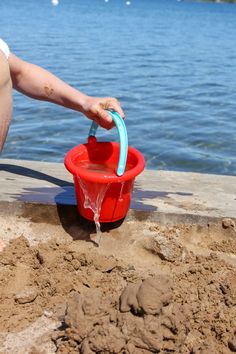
(148, 288)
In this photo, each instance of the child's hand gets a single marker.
(95, 108)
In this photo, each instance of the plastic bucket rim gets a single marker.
(103, 178)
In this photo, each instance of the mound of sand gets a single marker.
(169, 290)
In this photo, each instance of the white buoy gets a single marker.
(55, 2)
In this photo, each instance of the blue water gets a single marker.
(171, 64)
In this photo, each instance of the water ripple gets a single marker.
(171, 65)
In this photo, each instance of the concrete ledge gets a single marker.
(158, 195)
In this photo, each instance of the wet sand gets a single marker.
(148, 288)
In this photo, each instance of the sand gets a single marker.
(148, 288)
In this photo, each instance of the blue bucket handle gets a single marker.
(123, 137)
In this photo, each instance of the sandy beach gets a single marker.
(148, 288)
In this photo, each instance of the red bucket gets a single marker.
(101, 194)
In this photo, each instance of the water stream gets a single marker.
(93, 200)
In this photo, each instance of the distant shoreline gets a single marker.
(220, 1)
(216, 1)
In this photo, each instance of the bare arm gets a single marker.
(40, 84)
(5, 99)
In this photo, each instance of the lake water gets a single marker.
(171, 64)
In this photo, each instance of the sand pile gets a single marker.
(66, 296)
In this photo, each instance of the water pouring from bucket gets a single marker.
(104, 174)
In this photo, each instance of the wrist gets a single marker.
(85, 102)
(81, 102)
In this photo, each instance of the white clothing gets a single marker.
(4, 48)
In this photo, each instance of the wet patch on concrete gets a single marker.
(140, 198)
(48, 195)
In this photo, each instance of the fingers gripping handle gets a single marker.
(123, 137)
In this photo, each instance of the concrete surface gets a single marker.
(156, 193)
